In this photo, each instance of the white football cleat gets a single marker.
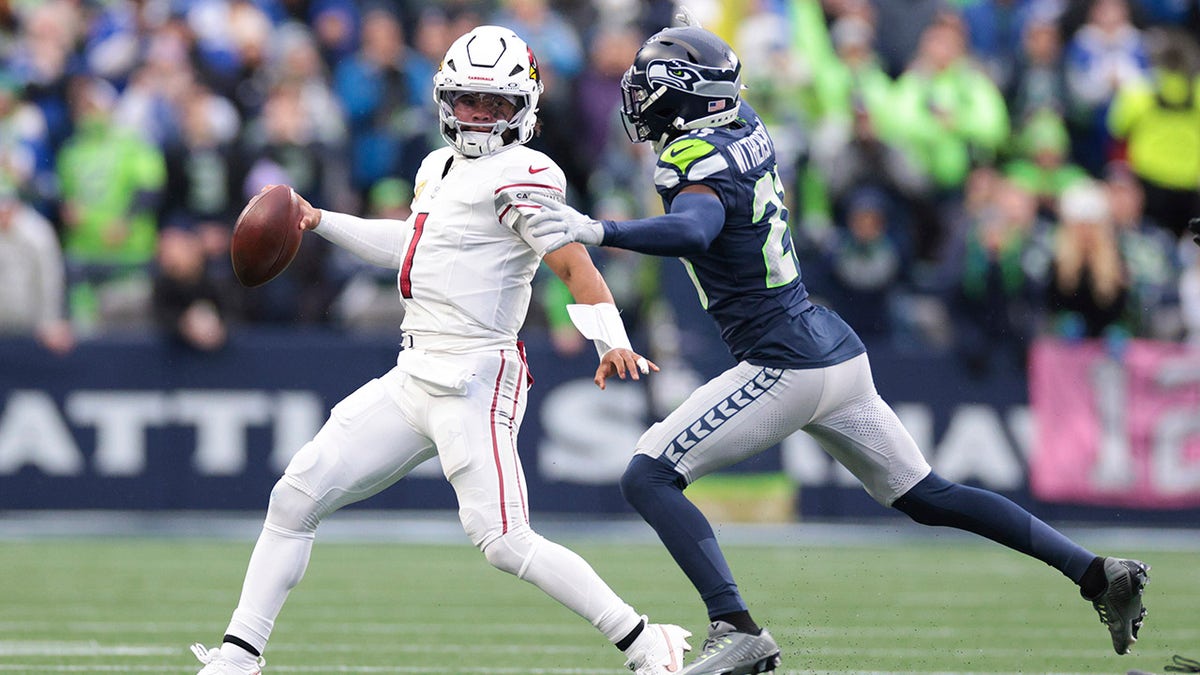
(217, 664)
(658, 650)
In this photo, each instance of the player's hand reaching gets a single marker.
(1194, 227)
(562, 224)
(622, 363)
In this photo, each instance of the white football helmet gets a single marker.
(490, 60)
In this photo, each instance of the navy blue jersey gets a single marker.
(749, 278)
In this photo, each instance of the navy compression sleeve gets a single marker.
(694, 222)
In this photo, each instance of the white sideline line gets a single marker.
(443, 527)
(97, 649)
(86, 648)
(802, 632)
(347, 627)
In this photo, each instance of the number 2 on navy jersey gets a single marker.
(406, 268)
(778, 255)
(779, 258)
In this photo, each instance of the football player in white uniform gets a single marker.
(466, 264)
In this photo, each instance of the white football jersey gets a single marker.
(466, 277)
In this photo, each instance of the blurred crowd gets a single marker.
(963, 174)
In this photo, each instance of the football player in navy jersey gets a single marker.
(799, 365)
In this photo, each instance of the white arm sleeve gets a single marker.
(376, 240)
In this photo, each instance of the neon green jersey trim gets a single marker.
(682, 153)
(691, 272)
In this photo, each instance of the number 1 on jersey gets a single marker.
(406, 268)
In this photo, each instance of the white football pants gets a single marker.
(467, 409)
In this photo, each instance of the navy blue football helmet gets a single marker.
(682, 79)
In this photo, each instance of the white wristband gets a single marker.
(600, 324)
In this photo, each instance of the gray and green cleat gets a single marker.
(729, 652)
(1120, 605)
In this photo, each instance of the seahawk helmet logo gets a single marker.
(693, 78)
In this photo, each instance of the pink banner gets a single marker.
(1116, 432)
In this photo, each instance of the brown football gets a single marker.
(266, 236)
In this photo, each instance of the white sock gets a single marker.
(565, 576)
(276, 566)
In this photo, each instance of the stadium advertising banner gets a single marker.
(1115, 431)
(142, 423)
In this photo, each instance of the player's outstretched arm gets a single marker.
(378, 241)
(696, 218)
(596, 316)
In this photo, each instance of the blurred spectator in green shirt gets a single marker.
(1042, 163)
(952, 111)
(954, 117)
(858, 141)
(1159, 118)
(110, 182)
(858, 137)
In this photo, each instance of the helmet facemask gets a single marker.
(475, 138)
(635, 99)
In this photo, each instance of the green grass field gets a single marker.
(133, 606)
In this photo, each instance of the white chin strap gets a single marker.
(478, 143)
(474, 143)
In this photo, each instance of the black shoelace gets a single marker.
(1180, 664)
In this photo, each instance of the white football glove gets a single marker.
(557, 218)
